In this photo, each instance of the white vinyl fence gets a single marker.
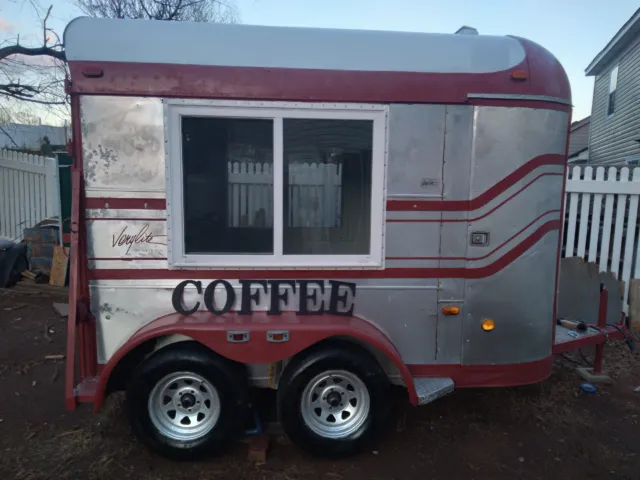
(313, 197)
(29, 191)
(601, 223)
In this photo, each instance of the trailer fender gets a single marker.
(258, 339)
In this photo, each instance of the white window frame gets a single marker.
(613, 87)
(276, 111)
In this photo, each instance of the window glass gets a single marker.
(227, 166)
(327, 186)
(613, 86)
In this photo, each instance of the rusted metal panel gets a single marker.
(123, 146)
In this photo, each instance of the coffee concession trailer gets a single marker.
(322, 212)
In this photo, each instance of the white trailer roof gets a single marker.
(187, 43)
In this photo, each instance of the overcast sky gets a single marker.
(573, 30)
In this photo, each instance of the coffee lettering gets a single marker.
(305, 296)
(176, 298)
(209, 297)
(247, 297)
(276, 296)
(310, 300)
(338, 298)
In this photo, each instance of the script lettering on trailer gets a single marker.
(341, 298)
(142, 236)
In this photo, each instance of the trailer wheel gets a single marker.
(185, 402)
(333, 400)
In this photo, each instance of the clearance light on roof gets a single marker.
(519, 76)
(92, 72)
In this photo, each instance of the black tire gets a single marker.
(13, 261)
(230, 382)
(304, 368)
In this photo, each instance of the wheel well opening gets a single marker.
(385, 362)
(123, 370)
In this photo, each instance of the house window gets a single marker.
(275, 185)
(613, 85)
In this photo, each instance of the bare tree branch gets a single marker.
(33, 75)
(26, 93)
(31, 52)
(222, 11)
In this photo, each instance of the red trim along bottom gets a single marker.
(468, 376)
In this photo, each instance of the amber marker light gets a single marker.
(451, 311)
(488, 325)
(519, 75)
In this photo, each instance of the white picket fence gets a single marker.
(601, 223)
(314, 194)
(29, 191)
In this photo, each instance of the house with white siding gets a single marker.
(579, 141)
(31, 137)
(614, 137)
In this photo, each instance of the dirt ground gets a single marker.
(546, 431)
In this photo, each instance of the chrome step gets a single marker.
(430, 389)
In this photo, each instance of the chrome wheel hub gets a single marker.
(335, 404)
(184, 406)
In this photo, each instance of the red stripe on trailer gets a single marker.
(387, 258)
(466, 376)
(471, 259)
(127, 259)
(546, 75)
(80, 322)
(453, 220)
(392, 205)
(126, 203)
(290, 84)
(484, 198)
(126, 219)
(480, 272)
